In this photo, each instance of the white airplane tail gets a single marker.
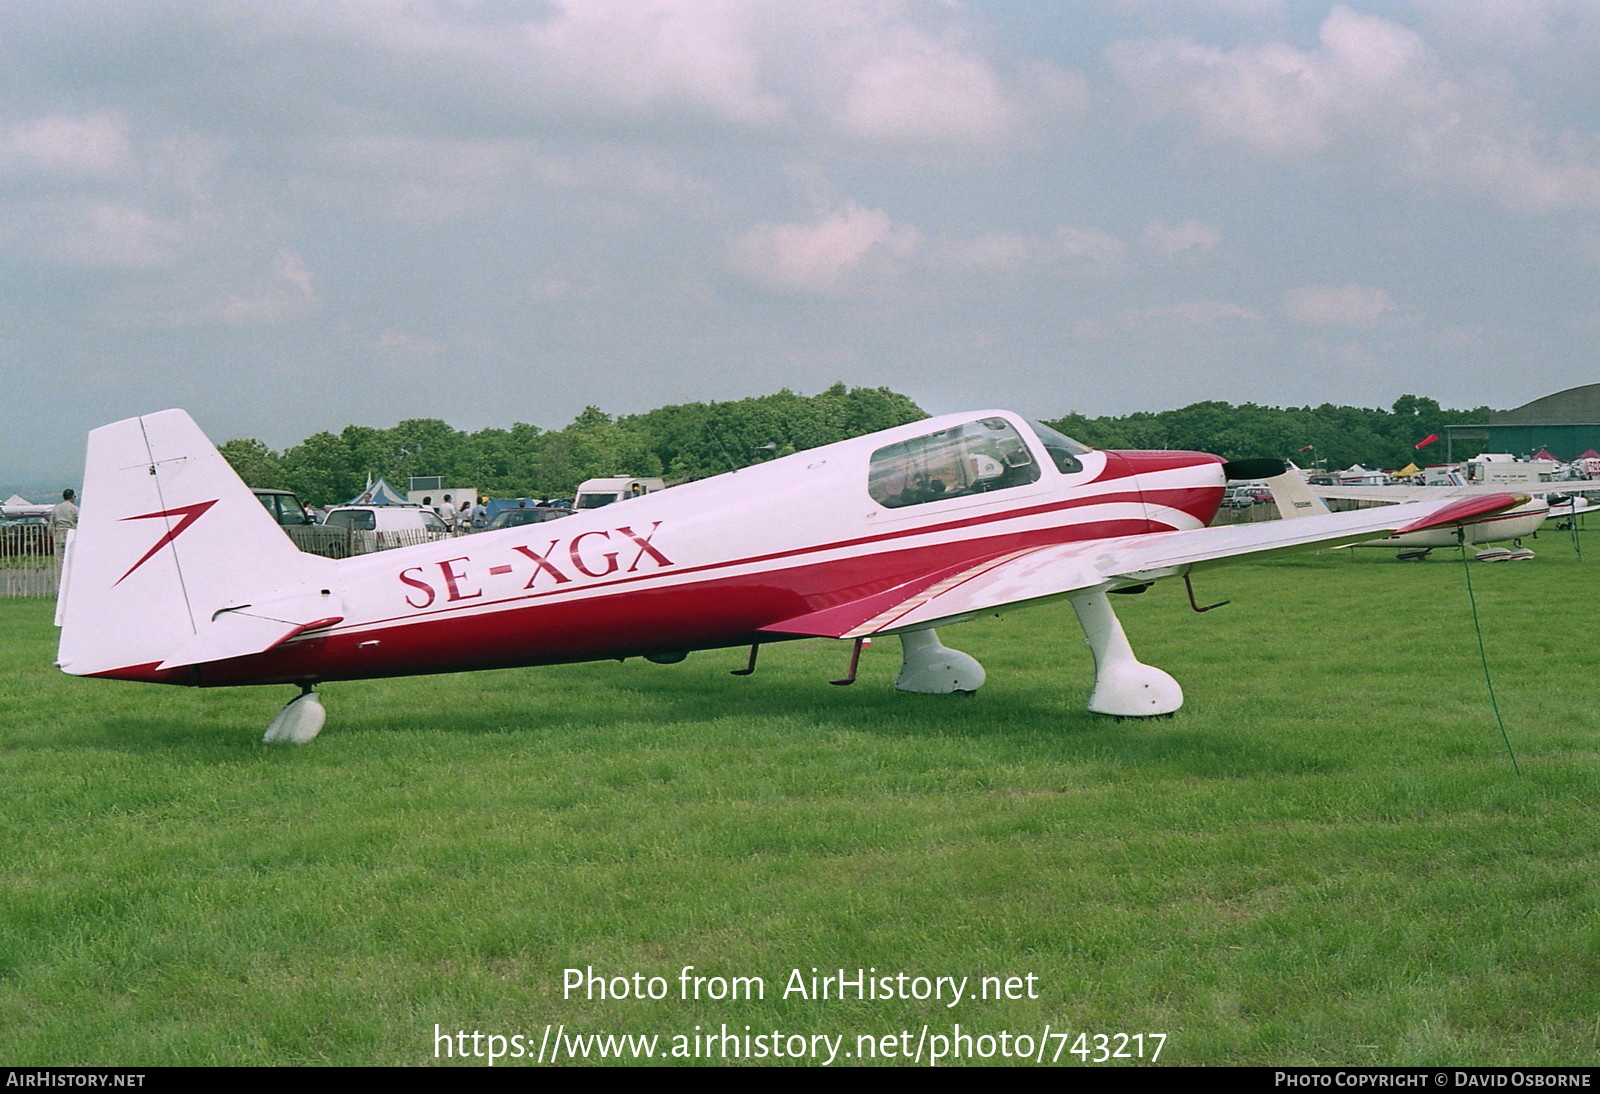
(175, 563)
(1292, 496)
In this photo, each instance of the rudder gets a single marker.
(168, 538)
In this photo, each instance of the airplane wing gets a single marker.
(1036, 573)
(1393, 494)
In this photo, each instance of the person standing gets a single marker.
(63, 519)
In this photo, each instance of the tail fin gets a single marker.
(1292, 496)
(171, 549)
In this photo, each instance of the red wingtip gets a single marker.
(1465, 509)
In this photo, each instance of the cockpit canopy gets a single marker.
(972, 458)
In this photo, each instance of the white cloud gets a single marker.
(635, 171)
(95, 233)
(648, 54)
(1087, 243)
(909, 87)
(1360, 306)
(215, 289)
(426, 180)
(993, 252)
(876, 72)
(91, 146)
(407, 345)
(822, 255)
(1173, 239)
(917, 96)
(1231, 9)
(1540, 29)
(1373, 92)
(1187, 313)
(1064, 249)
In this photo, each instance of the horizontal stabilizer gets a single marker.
(248, 629)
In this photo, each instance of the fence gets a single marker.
(29, 566)
(1246, 514)
(28, 563)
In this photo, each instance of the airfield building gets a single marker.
(1566, 423)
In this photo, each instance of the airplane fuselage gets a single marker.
(716, 563)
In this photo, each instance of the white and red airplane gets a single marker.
(1295, 497)
(177, 575)
(1560, 501)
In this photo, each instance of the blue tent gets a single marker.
(493, 507)
(378, 493)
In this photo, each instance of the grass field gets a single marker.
(1325, 857)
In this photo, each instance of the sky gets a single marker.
(289, 216)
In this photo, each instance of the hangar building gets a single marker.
(1566, 423)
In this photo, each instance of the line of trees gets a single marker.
(693, 440)
(1327, 435)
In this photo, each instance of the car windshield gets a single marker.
(362, 520)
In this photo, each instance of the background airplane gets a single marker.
(177, 575)
(1546, 501)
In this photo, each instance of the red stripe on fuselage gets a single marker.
(798, 556)
(716, 612)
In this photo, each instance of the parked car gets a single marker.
(593, 493)
(284, 506)
(299, 525)
(380, 527)
(514, 518)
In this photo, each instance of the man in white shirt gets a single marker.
(63, 518)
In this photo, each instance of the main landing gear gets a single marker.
(928, 667)
(299, 721)
(1124, 686)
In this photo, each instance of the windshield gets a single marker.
(1063, 450)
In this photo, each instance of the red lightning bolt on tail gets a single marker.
(186, 514)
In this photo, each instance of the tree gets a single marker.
(255, 463)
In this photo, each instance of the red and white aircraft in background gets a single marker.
(1562, 501)
(177, 575)
(1295, 497)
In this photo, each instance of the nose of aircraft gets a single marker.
(1195, 468)
(1177, 482)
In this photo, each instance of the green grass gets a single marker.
(1325, 857)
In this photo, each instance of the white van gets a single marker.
(594, 493)
(380, 527)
